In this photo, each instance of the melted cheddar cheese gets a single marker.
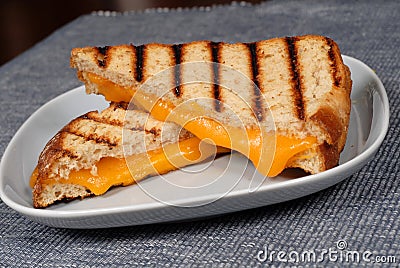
(269, 153)
(126, 171)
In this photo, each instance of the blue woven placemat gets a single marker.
(362, 212)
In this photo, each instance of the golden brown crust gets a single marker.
(329, 121)
(53, 150)
(330, 154)
(334, 117)
(59, 192)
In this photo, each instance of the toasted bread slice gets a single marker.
(92, 153)
(295, 89)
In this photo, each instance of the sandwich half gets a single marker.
(283, 102)
(118, 146)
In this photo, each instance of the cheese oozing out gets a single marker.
(269, 152)
(126, 171)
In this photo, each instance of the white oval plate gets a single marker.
(150, 202)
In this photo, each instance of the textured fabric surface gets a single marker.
(363, 210)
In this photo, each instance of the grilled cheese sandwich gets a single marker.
(299, 82)
(97, 151)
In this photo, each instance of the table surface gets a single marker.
(363, 210)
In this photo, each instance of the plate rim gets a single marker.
(61, 214)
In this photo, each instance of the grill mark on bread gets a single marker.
(94, 116)
(296, 79)
(102, 56)
(120, 105)
(67, 153)
(115, 123)
(72, 129)
(89, 116)
(333, 64)
(257, 100)
(215, 57)
(177, 48)
(99, 118)
(90, 137)
(155, 131)
(139, 52)
(53, 149)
